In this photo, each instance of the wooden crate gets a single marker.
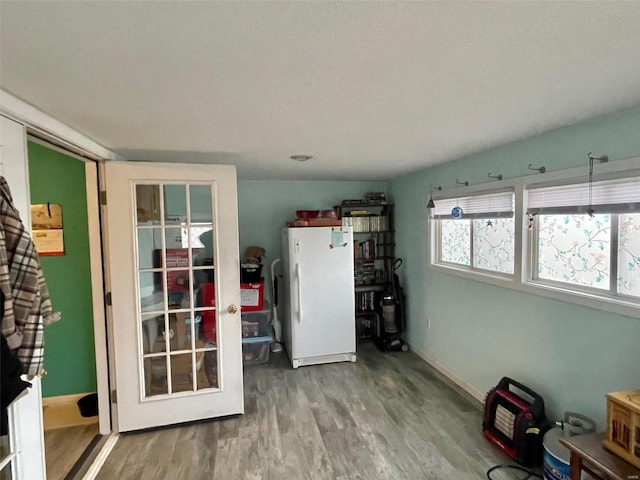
(623, 425)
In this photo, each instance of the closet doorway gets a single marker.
(65, 215)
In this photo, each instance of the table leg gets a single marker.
(576, 466)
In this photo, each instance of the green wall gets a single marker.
(69, 348)
(570, 354)
(264, 207)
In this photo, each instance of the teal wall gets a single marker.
(264, 208)
(570, 354)
(69, 348)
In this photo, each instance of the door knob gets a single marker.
(232, 309)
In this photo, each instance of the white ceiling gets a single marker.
(371, 90)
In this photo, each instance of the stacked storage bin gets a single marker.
(256, 335)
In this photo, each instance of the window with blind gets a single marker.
(586, 237)
(482, 239)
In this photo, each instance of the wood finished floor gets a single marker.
(387, 416)
(64, 446)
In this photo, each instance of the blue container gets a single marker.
(555, 456)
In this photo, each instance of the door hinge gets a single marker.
(103, 197)
(114, 397)
(107, 298)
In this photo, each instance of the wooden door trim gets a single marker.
(98, 295)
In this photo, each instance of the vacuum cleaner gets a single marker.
(276, 345)
(388, 332)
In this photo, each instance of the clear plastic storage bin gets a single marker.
(256, 324)
(255, 350)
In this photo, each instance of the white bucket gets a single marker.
(555, 456)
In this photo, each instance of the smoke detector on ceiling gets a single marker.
(301, 158)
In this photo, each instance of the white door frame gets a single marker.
(97, 281)
(26, 431)
(27, 420)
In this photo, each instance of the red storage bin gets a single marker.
(251, 300)
(252, 296)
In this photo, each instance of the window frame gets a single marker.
(525, 261)
(438, 249)
(471, 267)
(612, 289)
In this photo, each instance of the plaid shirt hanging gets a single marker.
(27, 307)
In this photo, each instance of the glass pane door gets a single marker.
(175, 273)
(172, 232)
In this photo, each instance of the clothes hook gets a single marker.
(541, 169)
(600, 159)
(499, 176)
(465, 183)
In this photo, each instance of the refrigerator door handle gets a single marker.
(299, 278)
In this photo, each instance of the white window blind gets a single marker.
(492, 205)
(611, 196)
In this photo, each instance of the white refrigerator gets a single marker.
(318, 296)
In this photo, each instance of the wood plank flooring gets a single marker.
(65, 446)
(387, 416)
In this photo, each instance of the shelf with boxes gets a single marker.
(366, 323)
(255, 311)
(366, 273)
(366, 314)
(374, 256)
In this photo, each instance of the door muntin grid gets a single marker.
(175, 234)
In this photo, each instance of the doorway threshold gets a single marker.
(90, 462)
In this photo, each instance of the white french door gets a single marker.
(173, 275)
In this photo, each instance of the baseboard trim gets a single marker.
(62, 411)
(451, 378)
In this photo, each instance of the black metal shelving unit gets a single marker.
(374, 254)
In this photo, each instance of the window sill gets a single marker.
(495, 278)
(590, 300)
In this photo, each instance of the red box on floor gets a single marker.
(208, 299)
(252, 296)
